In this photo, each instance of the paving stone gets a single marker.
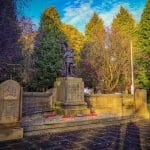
(6, 148)
(131, 136)
(58, 148)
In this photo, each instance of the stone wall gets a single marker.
(110, 104)
(116, 104)
(120, 104)
(37, 102)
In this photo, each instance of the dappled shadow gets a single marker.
(132, 137)
(103, 138)
(106, 138)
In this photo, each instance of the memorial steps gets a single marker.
(130, 135)
(76, 124)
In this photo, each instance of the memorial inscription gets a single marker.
(10, 102)
(74, 92)
(10, 93)
(10, 111)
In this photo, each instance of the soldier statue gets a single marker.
(69, 64)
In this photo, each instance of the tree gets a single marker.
(48, 50)
(85, 68)
(10, 53)
(26, 25)
(92, 51)
(75, 39)
(124, 21)
(93, 29)
(123, 27)
(143, 60)
(27, 41)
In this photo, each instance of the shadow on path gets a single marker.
(132, 137)
(106, 138)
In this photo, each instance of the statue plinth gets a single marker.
(70, 94)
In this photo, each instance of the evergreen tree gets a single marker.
(10, 53)
(91, 53)
(48, 50)
(75, 39)
(94, 27)
(124, 21)
(144, 48)
(122, 32)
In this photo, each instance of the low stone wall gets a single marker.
(120, 104)
(104, 104)
(36, 102)
(116, 104)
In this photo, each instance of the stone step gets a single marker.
(11, 134)
(76, 125)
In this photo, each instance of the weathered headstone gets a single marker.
(10, 110)
(70, 94)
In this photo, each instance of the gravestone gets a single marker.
(10, 110)
(70, 94)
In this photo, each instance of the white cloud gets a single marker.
(105, 3)
(78, 15)
(108, 16)
(77, 1)
(137, 13)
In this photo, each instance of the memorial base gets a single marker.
(75, 110)
(70, 95)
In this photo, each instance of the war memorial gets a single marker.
(65, 112)
(74, 75)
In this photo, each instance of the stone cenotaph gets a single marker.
(10, 111)
(70, 89)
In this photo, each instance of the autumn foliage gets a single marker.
(102, 55)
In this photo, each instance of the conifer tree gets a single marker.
(48, 52)
(10, 53)
(144, 48)
(124, 21)
(94, 27)
(91, 53)
(122, 32)
(75, 39)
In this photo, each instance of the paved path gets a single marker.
(132, 136)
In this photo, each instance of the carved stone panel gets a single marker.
(9, 102)
(75, 92)
(70, 90)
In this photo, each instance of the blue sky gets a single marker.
(78, 12)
